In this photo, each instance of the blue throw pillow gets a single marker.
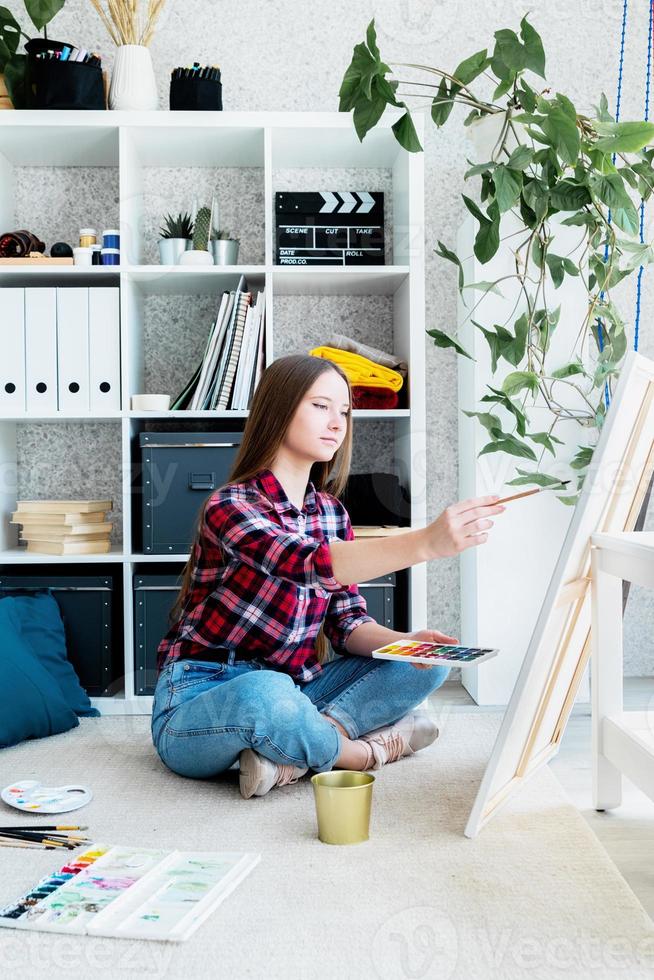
(42, 627)
(31, 702)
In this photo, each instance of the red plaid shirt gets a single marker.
(277, 586)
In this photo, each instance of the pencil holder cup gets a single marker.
(196, 93)
(343, 802)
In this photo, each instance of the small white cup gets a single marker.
(150, 403)
(82, 255)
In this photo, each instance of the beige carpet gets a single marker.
(535, 895)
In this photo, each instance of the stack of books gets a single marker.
(64, 527)
(233, 358)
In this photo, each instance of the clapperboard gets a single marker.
(330, 227)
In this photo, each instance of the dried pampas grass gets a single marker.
(125, 22)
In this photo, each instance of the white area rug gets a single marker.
(535, 895)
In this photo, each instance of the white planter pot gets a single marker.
(133, 84)
(196, 256)
(485, 132)
(170, 249)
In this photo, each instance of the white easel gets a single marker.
(622, 741)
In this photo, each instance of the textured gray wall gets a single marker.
(290, 55)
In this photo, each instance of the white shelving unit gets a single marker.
(136, 142)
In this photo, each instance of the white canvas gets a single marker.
(560, 644)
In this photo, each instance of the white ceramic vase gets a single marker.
(133, 84)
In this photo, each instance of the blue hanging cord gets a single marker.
(642, 203)
(618, 100)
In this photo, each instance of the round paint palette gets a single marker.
(29, 794)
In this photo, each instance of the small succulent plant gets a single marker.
(178, 226)
(225, 235)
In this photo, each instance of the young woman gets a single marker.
(243, 675)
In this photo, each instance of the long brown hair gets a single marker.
(282, 386)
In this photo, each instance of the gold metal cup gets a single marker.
(343, 800)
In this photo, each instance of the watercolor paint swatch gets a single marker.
(424, 652)
(130, 892)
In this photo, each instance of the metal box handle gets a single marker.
(202, 481)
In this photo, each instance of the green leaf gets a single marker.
(504, 344)
(491, 423)
(366, 115)
(473, 66)
(447, 253)
(9, 36)
(566, 195)
(405, 133)
(485, 287)
(508, 54)
(527, 96)
(487, 240)
(371, 39)
(517, 380)
(583, 458)
(605, 370)
(610, 190)
(479, 168)
(562, 132)
(442, 340)
(508, 184)
(603, 109)
(540, 479)
(555, 265)
(509, 444)
(534, 55)
(545, 439)
(504, 86)
(575, 367)
(503, 399)
(623, 137)
(521, 157)
(570, 501)
(442, 104)
(41, 12)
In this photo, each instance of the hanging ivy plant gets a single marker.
(549, 160)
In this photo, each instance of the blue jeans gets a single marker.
(204, 714)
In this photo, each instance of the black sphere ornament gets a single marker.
(61, 250)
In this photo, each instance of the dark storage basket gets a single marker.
(55, 84)
(196, 93)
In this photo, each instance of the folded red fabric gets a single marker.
(364, 396)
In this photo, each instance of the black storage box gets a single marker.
(85, 604)
(179, 471)
(196, 93)
(155, 595)
(55, 84)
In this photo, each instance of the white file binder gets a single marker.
(41, 349)
(12, 344)
(104, 348)
(73, 349)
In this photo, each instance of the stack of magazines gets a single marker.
(233, 358)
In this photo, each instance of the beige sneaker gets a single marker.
(258, 775)
(408, 735)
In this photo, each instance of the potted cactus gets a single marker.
(199, 253)
(176, 237)
(224, 248)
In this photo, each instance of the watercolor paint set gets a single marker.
(425, 652)
(130, 893)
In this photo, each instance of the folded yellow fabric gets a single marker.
(360, 370)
